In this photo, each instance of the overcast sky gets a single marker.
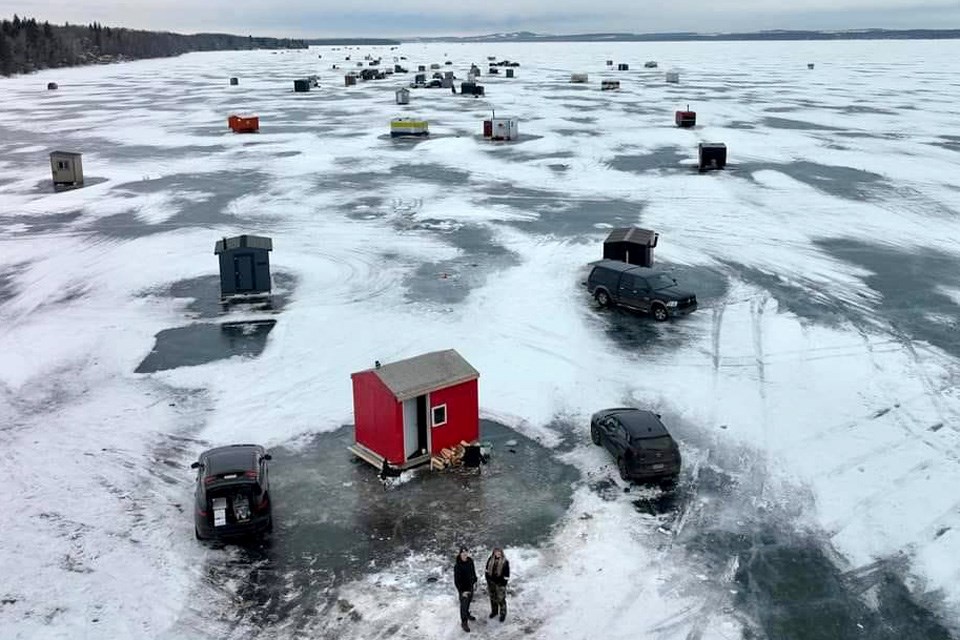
(319, 18)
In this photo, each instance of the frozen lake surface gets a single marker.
(814, 393)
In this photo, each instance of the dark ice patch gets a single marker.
(843, 182)
(797, 125)
(204, 294)
(803, 298)
(363, 182)
(198, 344)
(8, 276)
(211, 210)
(787, 581)
(947, 142)
(572, 133)
(137, 152)
(908, 281)
(335, 521)
(558, 213)
(450, 281)
(519, 155)
(433, 173)
(660, 159)
(40, 224)
(792, 588)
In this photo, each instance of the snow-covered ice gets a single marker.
(814, 393)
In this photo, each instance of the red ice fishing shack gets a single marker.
(405, 412)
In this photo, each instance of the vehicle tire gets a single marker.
(603, 298)
(669, 483)
(659, 312)
(270, 525)
(594, 435)
(196, 533)
(622, 467)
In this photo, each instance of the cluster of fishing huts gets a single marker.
(711, 155)
(67, 166)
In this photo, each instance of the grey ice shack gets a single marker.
(67, 167)
(244, 265)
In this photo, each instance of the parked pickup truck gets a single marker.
(612, 282)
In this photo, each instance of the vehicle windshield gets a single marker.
(661, 442)
(660, 281)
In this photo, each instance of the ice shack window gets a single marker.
(440, 415)
(61, 164)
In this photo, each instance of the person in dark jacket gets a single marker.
(465, 578)
(497, 574)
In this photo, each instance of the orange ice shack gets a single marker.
(244, 124)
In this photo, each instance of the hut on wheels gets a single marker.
(409, 127)
(632, 245)
(711, 155)
(685, 119)
(409, 411)
(501, 128)
(244, 265)
(67, 168)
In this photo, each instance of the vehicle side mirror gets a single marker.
(267, 456)
(195, 465)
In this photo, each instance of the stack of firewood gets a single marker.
(449, 457)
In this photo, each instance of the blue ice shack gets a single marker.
(244, 265)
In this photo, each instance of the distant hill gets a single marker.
(351, 42)
(27, 45)
(857, 34)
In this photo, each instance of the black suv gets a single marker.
(641, 444)
(641, 288)
(233, 492)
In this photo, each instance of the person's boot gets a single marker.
(471, 617)
(503, 612)
(465, 626)
(493, 612)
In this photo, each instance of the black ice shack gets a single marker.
(632, 245)
(244, 265)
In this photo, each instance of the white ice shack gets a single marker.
(501, 128)
(67, 167)
(579, 78)
(403, 96)
(673, 77)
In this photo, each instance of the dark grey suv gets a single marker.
(232, 497)
(640, 443)
(612, 282)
